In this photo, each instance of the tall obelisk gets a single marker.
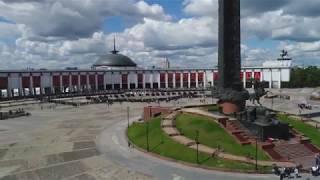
(231, 94)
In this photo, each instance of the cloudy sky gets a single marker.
(64, 33)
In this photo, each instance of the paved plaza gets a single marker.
(87, 142)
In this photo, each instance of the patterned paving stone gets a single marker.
(71, 156)
(84, 177)
(84, 145)
(57, 172)
(3, 152)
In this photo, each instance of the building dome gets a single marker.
(114, 60)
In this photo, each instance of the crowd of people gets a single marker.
(293, 172)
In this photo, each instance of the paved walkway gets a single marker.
(176, 135)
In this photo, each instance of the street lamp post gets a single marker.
(128, 116)
(256, 154)
(197, 142)
(147, 127)
(147, 132)
(212, 95)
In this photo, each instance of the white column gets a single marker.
(252, 76)
(120, 81)
(79, 83)
(213, 76)
(61, 84)
(88, 82)
(204, 79)
(128, 80)
(9, 88)
(159, 83)
(105, 81)
(174, 80)
(53, 91)
(96, 81)
(244, 77)
(166, 79)
(279, 79)
(20, 86)
(151, 80)
(189, 80)
(112, 81)
(197, 82)
(70, 83)
(181, 80)
(270, 82)
(136, 80)
(143, 80)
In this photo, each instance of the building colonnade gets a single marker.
(30, 83)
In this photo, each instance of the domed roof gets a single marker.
(115, 60)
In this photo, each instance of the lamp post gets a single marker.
(212, 94)
(147, 127)
(128, 116)
(147, 132)
(197, 142)
(256, 167)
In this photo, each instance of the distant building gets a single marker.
(118, 72)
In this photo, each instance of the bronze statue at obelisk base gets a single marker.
(230, 92)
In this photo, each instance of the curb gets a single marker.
(190, 164)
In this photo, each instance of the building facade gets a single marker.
(48, 82)
(118, 72)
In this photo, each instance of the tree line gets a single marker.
(304, 77)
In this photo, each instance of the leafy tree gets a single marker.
(304, 77)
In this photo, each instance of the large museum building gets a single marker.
(115, 71)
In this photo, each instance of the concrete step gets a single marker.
(293, 151)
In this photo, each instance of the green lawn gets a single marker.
(161, 144)
(211, 134)
(212, 108)
(306, 129)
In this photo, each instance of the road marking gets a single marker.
(177, 177)
(115, 139)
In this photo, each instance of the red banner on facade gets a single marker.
(257, 75)
(162, 78)
(26, 82)
(74, 80)
(215, 76)
(92, 79)
(124, 78)
(185, 77)
(140, 78)
(177, 77)
(36, 81)
(193, 77)
(56, 81)
(3, 82)
(200, 76)
(101, 79)
(170, 77)
(83, 80)
(248, 75)
(65, 80)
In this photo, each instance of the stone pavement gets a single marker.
(174, 133)
(60, 143)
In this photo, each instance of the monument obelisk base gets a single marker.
(229, 107)
(232, 100)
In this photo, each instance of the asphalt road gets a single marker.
(112, 142)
